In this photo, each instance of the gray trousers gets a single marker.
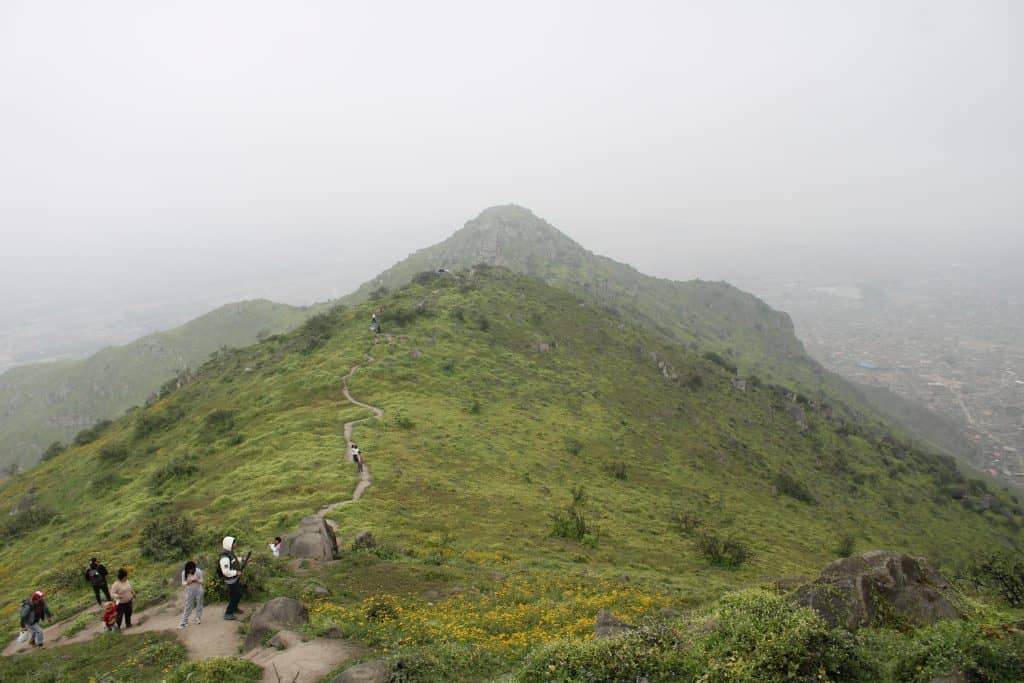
(193, 600)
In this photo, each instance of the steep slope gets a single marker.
(534, 447)
(712, 317)
(44, 403)
(709, 315)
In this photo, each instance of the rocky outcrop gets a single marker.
(314, 540)
(879, 588)
(364, 540)
(608, 625)
(275, 615)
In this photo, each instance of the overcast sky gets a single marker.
(152, 147)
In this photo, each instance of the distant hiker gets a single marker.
(123, 594)
(231, 569)
(96, 575)
(33, 610)
(359, 460)
(275, 547)
(109, 615)
(374, 324)
(192, 580)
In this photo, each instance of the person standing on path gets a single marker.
(33, 610)
(96, 575)
(123, 594)
(357, 458)
(231, 569)
(192, 580)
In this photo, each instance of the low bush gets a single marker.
(721, 551)
(255, 581)
(982, 653)
(52, 451)
(151, 421)
(1000, 575)
(218, 422)
(25, 522)
(181, 467)
(106, 480)
(616, 469)
(113, 453)
(571, 522)
(718, 360)
(168, 537)
(788, 485)
(217, 670)
(92, 433)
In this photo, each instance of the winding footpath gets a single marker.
(303, 662)
(364, 476)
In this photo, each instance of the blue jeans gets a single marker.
(234, 597)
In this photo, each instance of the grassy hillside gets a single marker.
(44, 403)
(539, 458)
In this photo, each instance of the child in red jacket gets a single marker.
(109, 615)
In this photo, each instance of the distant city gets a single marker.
(950, 337)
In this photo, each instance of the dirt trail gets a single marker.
(364, 476)
(300, 662)
(310, 661)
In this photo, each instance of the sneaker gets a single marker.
(230, 617)
(198, 621)
(180, 626)
(239, 610)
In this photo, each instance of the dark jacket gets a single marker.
(34, 612)
(96, 575)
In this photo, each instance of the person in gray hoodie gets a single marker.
(34, 610)
(231, 569)
(192, 580)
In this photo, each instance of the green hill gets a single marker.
(44, 403)
(540, 458)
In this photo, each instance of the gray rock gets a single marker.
(273, 616)
(332, 632)
(314, 540)
(608, 625)
(879, 588)
(376, 671)
(283, 640)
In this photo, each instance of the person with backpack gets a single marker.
(192, 580)
(96, 575)
(34, 610)
(357, 458)
(124, 595)
(230, 569)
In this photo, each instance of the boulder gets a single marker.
(283, 640)
(609, 625)
(879, 588)
(376, 671)
(273, 616)
(314, 540)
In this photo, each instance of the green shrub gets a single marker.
(106, 480)
(114, 453)
(573, 445)
(255, 581)
(402, 421)
(571, 522)
(788, 485)
(759, 635)
(181, 467)
(24, 523)
(218, 422)
(92, 433)
(982, 653)
(167, 537)
(1000, 575)
(726, 552)
(616, 469)
(632, 657)
(151, 421)
(687, 521)
(52, 451)
(217, 670)
(845, 546)
(718, 360)
(444, 662)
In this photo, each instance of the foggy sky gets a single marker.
(154, 147)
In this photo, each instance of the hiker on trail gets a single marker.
(357, 458)
(123, 594)
(192, 580)
(275, 547)
(96, 575)
(33, 610)
(374, 324)
(231, 569)
(109, 615)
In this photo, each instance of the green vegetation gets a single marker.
(53, 401)
(109, 657)
(487, 549)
